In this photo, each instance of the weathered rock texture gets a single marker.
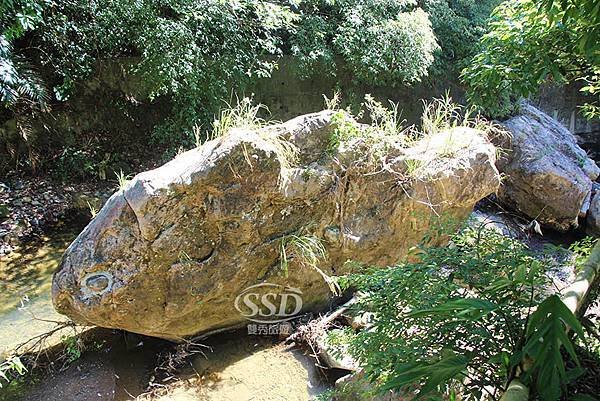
(167, 255)
(357, 387)
(592, 220)
(548, 176)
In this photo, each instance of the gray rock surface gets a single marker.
(357, 387)
(592, 220)
(499, 222)
(548, 176)
(168, 254)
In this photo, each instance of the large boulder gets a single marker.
(168, 255)
(548, 176)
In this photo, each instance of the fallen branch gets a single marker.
(38, 341)
(312, 332)
(320, 325)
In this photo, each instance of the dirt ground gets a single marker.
(233, 367)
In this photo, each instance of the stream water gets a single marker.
(25, 280)
(233, 366)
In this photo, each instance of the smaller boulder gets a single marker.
(497, 221)
(548, 176)
(592, 220)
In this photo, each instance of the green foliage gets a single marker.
(584, 18)
(545, 338)
(434, 373)
(83, 163)
(311, 44)
(458, 25)
(327, 395)
(345, 129)
(308, 250)
(386, 42)
(18, 81)
(382, 42)
(386, 51)
(582, 249)
(193, 53)
(591, 87)
(529, 45)
(460, 320)
(73, 348)
(243, 115)
(385, 126)
(386, 129)
(383, 119)
(413, 167)
(445, 114)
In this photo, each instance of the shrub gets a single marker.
(530, 44)
(461, 319)
(386, 51)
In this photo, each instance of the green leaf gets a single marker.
(18, 365)
(583, 397)
(546, 336)
(432, 374)
(467, 308)
(447, 368)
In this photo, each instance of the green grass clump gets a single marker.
(244, 116)
(309, 251)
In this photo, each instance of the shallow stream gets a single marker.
(25, 279)
(233, 366)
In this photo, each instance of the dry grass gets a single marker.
(444, 114)
(244, 115)
(308, 250)
(386, 125)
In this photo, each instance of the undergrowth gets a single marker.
(386, 129)
(462, 319)
(444, 114)
(11, 368)
(35, 357)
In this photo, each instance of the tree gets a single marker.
(18, 82)
(382, 42)
(458, 26)
(531, 43)
(195, 53)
